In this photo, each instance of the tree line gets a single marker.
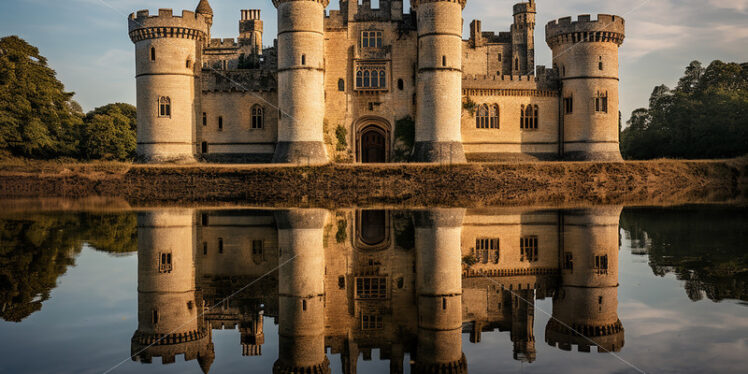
(40, 120)
(704, 116)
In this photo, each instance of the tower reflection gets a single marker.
(352, 281)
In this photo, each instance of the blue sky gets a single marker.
(86, 41)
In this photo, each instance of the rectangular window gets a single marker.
(371, 39)
(601, 104)
(601, 264)
(487, 250)
(528, 248)
(371, 321)
(164, 107)
(568, 261)
(164, 263)
(257, 247)
(371, 288)
(220, 123)
(220, 245)
(499, 57)
(568, 105)
(205, 119)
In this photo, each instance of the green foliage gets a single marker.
(405, 139)
(704, 246)
(705, 116)
(342, 233)
(342, 135)
(37, 249)
(37, 117)
(469, 105)
(109, 133)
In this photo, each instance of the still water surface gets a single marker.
(596, 290)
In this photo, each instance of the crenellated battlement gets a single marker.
(223, 43)
(324, 3)
(528, 7)
(142, 25)
(415, 3)
(606, 29)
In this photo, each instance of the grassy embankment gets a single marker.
(471, 185)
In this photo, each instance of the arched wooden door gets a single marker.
(373, 146)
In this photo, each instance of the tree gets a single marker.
(705, 116)
(109, 133)
(37, 116)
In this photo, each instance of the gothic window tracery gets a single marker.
(258, 117)
(164, 107)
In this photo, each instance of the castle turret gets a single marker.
(585, 52)
(301, 292)
(585, 307)
(439, 81)
(439, 288)
(204, 9)
(250, 32)
(169, 308)
(523, 38)
(167, 64)
(301, 82)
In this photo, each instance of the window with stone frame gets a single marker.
(529, 117)
(164, 107)
(528, 248)
(486, 250)
(164, 262)
(568, 261)
(258, 117)
(371, 288)
(601, 102)
(601, 264)
(371, 77)
(371, 39)
(371, 321)
(568, 105)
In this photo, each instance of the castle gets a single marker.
(374, 85)
(340, 284)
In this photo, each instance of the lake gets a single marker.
(596, 289)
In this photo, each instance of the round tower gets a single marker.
(523, 38)
(169, 320)
(206, 10)
(585, 52)
(167, 62)
(439, 288)
(301, 292)
(439, 81)
(250, 32)
(585, 307)
(301, 82)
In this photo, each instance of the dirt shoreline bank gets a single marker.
(659, 182)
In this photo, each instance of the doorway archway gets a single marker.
(372, 141)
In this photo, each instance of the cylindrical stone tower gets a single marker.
(585, 53)
(439, 288)
(169, 310)
(585, 307)
(439, 81)
(301, 292)
(167, 63)
(301, 82)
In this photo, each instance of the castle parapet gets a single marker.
(607, 28)
(142, 25)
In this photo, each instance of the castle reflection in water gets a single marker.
(355, 280)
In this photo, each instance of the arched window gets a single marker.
(522, 117)
(258, 117)
(400, 84)
(494, 116)
(481, 120)
(341, 85)
(164, 107)
(374, 79)
(366, 79)
(359, 79)
(153, 54)
(601, 102)
(382, 80)
(529, 119)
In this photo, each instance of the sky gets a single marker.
(86, 41)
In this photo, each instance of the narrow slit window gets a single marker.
(220, 123)
(153, 54)
(341, 85)
(205, 119)
(204, 147)
(600, 63)
(303, 59)
(400, 84)
(444, 60)
(220, 245)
